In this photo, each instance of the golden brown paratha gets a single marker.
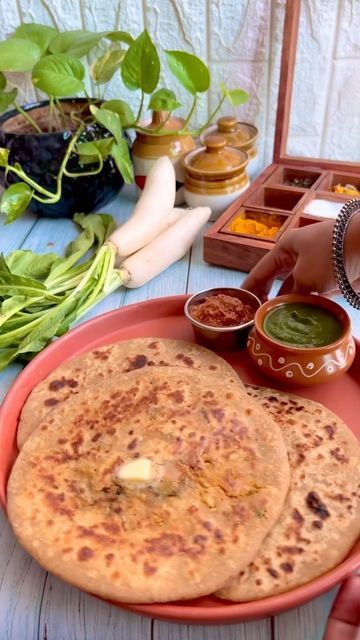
(320, 520)
(102, 363)
(211, 497)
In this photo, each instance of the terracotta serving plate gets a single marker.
(163, 318)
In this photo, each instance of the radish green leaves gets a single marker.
(56, 291)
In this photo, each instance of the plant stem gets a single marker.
(86, 173)
(51, 109)
(61, 111)
(212, 116)
(53, 197)
(21, 174)
(66, 157)
(190, 113)
(47, 200)
(162, 124)
(57, 121)
(87, 97)
(140, 107)
(157, 132)
(75, 118)
(27, 117)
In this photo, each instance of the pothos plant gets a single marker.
(54, 61)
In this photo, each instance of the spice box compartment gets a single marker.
(323, 204)
(275, 198)
(294, 178)
(303, 220)
(330, 180)
(259, 225)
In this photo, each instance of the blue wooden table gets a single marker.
(36, 606)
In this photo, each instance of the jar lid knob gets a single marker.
(214, 144)
(227, 124)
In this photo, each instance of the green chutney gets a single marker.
(302, 325)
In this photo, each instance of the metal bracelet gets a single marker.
(338, 238)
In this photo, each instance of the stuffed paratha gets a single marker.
(104, 362)
(155, 486)
(320, 520)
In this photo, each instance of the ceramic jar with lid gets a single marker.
(215, 175)
(148, 147)
(240, 135)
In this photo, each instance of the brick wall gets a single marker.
(241, 42)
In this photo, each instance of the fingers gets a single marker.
(287, 286)
(262, 276)
(344, 618)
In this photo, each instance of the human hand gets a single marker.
(344, 618)
(304, 257)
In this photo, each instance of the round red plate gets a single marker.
(163, 318)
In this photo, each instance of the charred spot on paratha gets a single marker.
(331, 430)
(50, 402)
(57, 384)
(286, 567)
(316, 505)
(189, 362)
(298, 517)
(101, 354)
(136, 362)
(339, 456)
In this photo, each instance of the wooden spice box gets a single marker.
(271, 193)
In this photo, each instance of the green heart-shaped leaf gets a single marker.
(236, 97)
(121, 155)
(2, 81)
(59, 75)
(189, 70)
(89, 151)
(163, 100)
(104, 68)
(120, 36)
(123, 110)
(6, 99)
(15, 200)
(109, 120)
(4, 156)
(40, 34)
(76, 43)
(18, 54)
(141, 66)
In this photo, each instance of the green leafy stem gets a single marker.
(42, 294)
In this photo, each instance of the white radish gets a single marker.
(171, 245)
(174, 215)
(150, 213)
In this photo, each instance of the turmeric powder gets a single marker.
(252, 227)
(346, 189)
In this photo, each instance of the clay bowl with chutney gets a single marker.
(301, 339)
(222, 317)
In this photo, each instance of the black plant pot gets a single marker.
(40, 156)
